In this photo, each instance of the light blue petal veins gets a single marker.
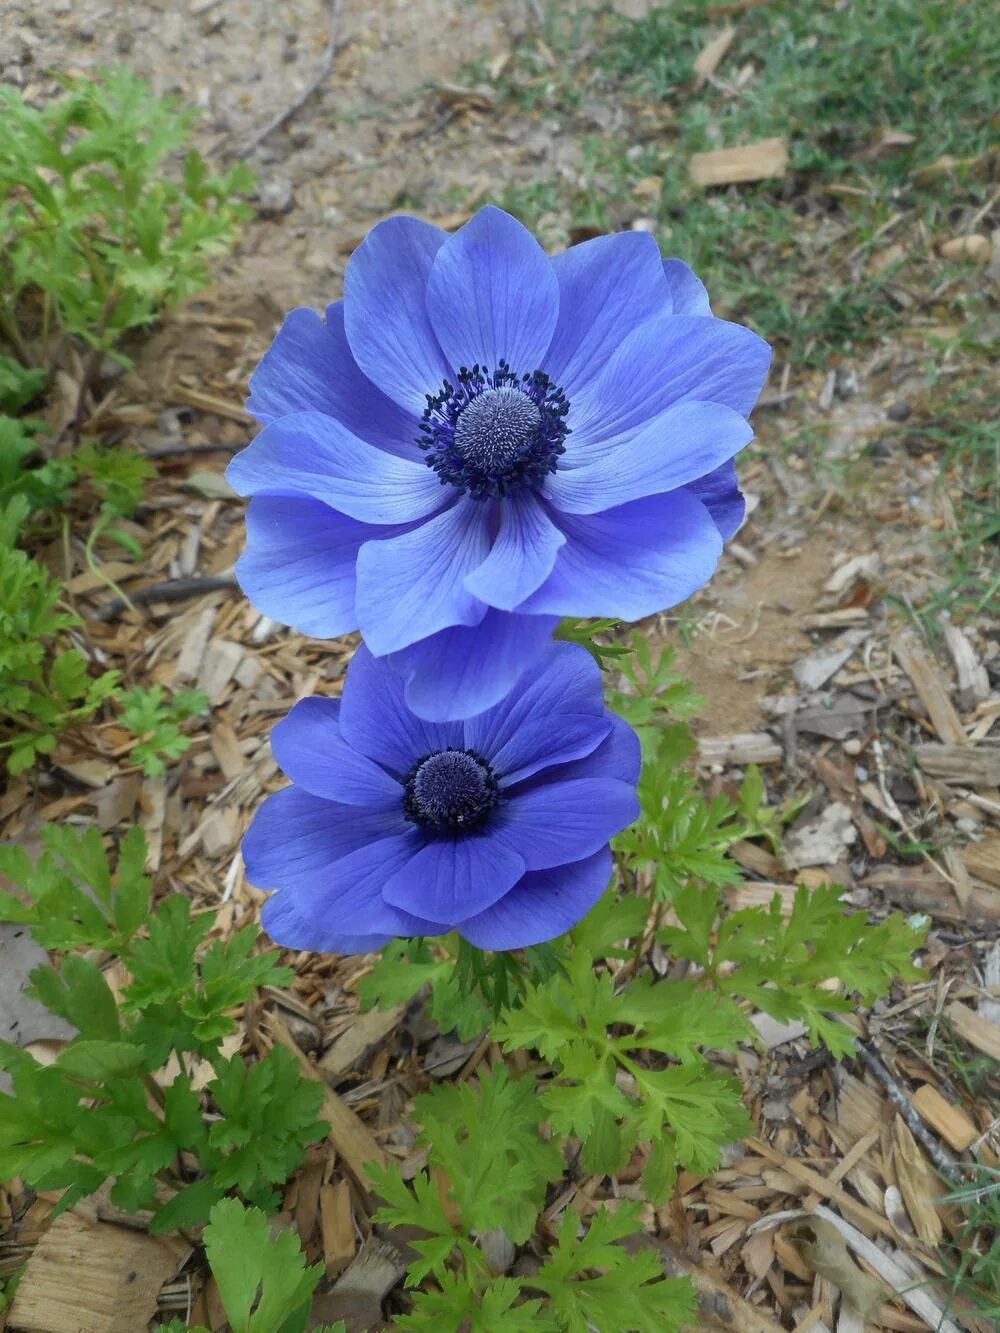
(413, 585)
(542, 905)
(376, 721)
(299, 565)
(523, 553)
(309, 368)
(618, 756)
(554, 822)
(451, 879)
(556, 714)
(344, 902)
(462, 671)
(492, 294)
(311, 454)
(632, 561)
(687, 292)
(295, 837)
(607, 287)
(685, 442)
(309, 748)
(664, 361)
(385, 310)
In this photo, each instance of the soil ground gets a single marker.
(851, 537)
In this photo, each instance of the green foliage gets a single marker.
(258, 1272)
(42, 692)
(783, 966)
(629, 1291)
(654, 694)
(45, 486)
(97, 1112)
(157, 720)
(613, 1087)
(494, 1166)
(467, 986)
(18, 385)
(263, 1281)
(679, 837)
(91, 220)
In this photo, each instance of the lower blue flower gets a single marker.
(496, 826)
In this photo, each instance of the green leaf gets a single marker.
(629, 1293)
(247, 1260)
(97, 1061)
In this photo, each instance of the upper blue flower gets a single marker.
(497, 826)
(480, 439)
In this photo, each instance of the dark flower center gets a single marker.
(450, 789)
(496, 431)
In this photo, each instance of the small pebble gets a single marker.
(852, 746)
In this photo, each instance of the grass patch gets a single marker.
(890, 120)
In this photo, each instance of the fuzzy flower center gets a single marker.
(496, 431)
(450, 789)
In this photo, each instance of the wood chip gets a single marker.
(973, 680)
(976, 247)
(982, 859)
(368, 1030)
(209, 402)
(750, 162)
(948, 1121)
(971, 765)
(919, 1185)
(87, 1275)
(931, 690)
(220, 662)
(974, 1029)
(349, 1135)
(895, 1271)
(337, 1223)
(754, 747)
(709, 58)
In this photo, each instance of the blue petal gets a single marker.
(618, 756)
(607, 286)
(719, 492)
(541, 905)
(492, 294)
(344, 903)
(632, 561)
(414, 585)
(309, 368)
(311, 454)
(299, 565)
(376, 721)
(385, 310)
(309, 748)
(294, 838)
(687, 292)
(523, 553)
(464, 670)
(555, 822)
(451, 879)
(685, 442)
(556, 714)
(663, 362)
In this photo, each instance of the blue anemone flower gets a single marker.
(480, 439)
(497, 826)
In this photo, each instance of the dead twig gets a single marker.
(326, 65)
(940, 1156)
(175, 590)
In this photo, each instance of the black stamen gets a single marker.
(494, 432)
